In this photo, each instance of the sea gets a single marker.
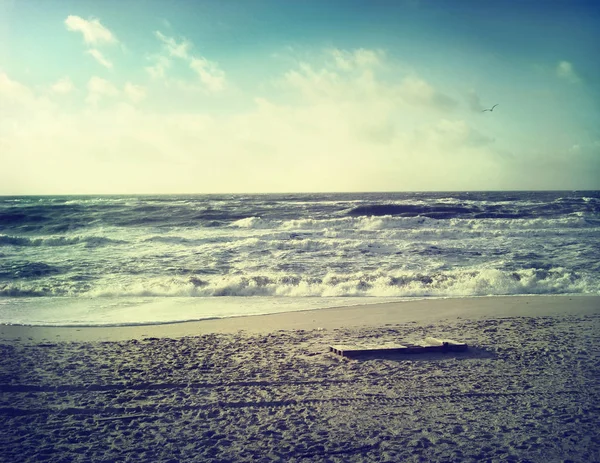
(122, 260)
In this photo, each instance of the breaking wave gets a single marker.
(453, 283)
(88, 241)
(376, 222)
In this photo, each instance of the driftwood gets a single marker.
(427, 345)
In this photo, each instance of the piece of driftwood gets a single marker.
(427, 345)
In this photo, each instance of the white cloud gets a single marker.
(158, 70)
(454, 133)
(359, 58)
(93, 32)
(63, 86)
(315, 84)
(98, 56)
(565, 70)
(99, 88)
(135, 93)
(17, 99)
(179, 50)
(210, 74)
(102, 86)
(354, 78)
(357, 132)
(416, 91)
(14, 91)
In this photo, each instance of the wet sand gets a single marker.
(340, 317)
(265, 388)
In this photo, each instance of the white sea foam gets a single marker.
(89, 240)
(375, 283)
(392, 222)
(119, 311)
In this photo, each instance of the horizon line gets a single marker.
(2, 195)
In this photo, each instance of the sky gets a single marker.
(258, 96)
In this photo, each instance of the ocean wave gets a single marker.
(19, 270)
(451, 208)
(191, 240)
(439, 210)
(88, 241)
(59, 215)
(9, 218)
(452, 283)
(254, 222)
(415, 223)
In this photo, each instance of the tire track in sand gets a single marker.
(410, 400)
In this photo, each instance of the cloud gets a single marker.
(63, 86)
(135, 93)
(353, 76)
(455, 133)
(209, 72)
(315, 84)
(99, 88)
(158, 70)
(93, 32)
(359, 58)
(98, 56)
(17, 99)
(565, 70)
(345, 74)
(179, 50)
(474, 101)
(13, 91)
(416, 91)
(339, 144)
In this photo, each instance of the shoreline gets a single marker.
(366, 315)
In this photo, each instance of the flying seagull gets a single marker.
(489, 109)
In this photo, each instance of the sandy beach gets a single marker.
(265, 388)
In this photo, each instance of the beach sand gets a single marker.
(265, 388)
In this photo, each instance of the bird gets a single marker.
(490, 109)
